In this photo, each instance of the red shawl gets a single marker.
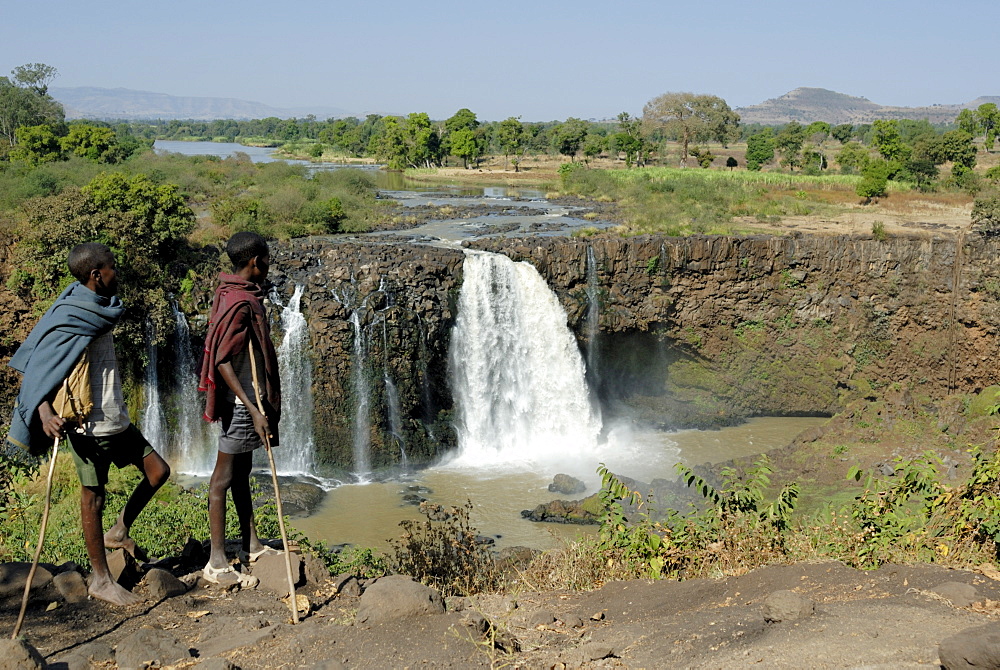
(238, 309)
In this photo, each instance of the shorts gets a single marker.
(238, 435)
(93, 455)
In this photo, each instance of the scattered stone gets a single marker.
(19, 655)
(148, 646)
(217, 663)
(958, 593)
(567, 485)
(597, 616)
(347, 584)
(13, 577)
(88, 656)
(194, 554)
(397, 596)
(123, 568)
(455, 604)
(787, 606)
(330, 664)
(71, 586)
(977, 648)
(273, 573)
(475, 622)
(572, 621)
(315, 569)
(540, 618)
(162, 585)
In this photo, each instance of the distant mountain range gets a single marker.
(806, 105)
(107, 104)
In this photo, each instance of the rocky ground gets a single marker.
(810, 615)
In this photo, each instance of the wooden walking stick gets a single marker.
(277, 494)
(41, 536)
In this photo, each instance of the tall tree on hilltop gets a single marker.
(692, 118)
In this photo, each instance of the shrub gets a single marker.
(986, 213)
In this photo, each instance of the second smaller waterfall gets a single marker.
(296, 454)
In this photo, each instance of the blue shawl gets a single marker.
(49, 353)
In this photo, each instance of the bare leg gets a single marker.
(102, 585)
(243, 502)
(155, 473)
(222, 480)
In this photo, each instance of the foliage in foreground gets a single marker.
(908, 517)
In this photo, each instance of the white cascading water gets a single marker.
(362, 401)
(195, 443)
(296, 455)
(395, 418)
(517, 375)
(152, 424)
(593, 316)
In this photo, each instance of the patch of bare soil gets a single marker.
(894, 617)
(920, 218)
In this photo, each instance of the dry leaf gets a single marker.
(198, 614)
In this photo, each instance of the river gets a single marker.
(501, 483)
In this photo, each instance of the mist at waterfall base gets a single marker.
(524, 412)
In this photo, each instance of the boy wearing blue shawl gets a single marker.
(82, 318)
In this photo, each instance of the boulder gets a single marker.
(787, 606)
(13, 577)
(94, 654)
(19, 655)
(348, 585)
(397, 596)
(977, 648)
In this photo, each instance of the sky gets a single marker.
(538, 60)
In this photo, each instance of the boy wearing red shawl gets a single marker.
(238, 322)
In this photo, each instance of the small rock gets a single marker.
(19, 655)
(88, 656)
(476, 622)
(123, 568)
(540, 618)
(397, 596)
(348, 585)
(216, 663)
(148, 646)
(958, 593)
(194, 554)
(315, 569)
(787, 606)
(594, 651)
(71, 586)
(13, 577)
(162, 585)
(273, 572)
(597, 616)
(567, 485)
(977, 648)
(572, 621)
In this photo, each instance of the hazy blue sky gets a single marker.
(541, 60)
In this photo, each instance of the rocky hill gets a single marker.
(87, 102)
(806, 105)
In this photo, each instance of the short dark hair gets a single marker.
(243, 246)
(86, 257)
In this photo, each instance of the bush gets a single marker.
(986, 213)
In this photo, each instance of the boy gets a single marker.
(83, 317)
(237, 322)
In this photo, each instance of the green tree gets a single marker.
(692, 118)
(629, 139)
(36, 145)
(511, 140)
(788, 142)
(25, 101)
(731, 162)
(874, 180)
(817, 131)
(760, 149)
(594, 145)
(852, 157)
(94, 142)
(888, 141)
(989, 123)
(568, 137)
(465, 145)
(957, 147)
(423, 144)
(842, 133)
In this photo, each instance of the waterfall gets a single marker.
(395, 418)
(195, 444)
(362, 401)
(593, 317)
(516, 372)
(152, 424)
(296, 455)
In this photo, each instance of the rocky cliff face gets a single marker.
(705, 330)
(379, 317)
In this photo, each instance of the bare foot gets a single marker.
(113, 592)
(118, 538)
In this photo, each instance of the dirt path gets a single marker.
(894, 617)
